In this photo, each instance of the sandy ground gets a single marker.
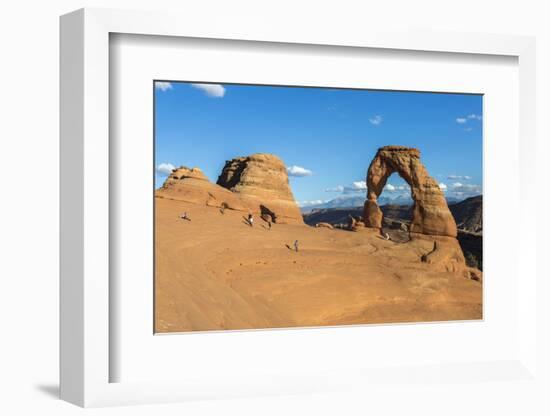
(216, 272)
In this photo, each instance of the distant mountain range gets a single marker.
(468, 214)
(358, 201)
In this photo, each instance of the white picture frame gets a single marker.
(86, 356)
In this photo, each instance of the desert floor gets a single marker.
(216, 272)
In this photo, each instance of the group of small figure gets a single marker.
(250, 220)
(267, 219)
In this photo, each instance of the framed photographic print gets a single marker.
(292, 232)
(273, 212)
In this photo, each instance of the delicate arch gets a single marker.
(431, 214)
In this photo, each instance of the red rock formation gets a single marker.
(261, 180)
(433, 229)
(256, 184)
(191, 185)
(431, 214)
(184, 172)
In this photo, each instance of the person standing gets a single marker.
(296, 246)
(351, 222)
(250, 220)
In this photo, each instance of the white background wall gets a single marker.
(29, 202)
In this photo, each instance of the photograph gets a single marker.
(295, 207)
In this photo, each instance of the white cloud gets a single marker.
(465, 119)
(313, 202)
(163, 86)
(376, 120)
(212, 90)
(359, 185)
(400, 191)
(298, 171)
(467, 187)
(393, 191)
(460, 190)
(165, 168)
(459, 177)
(338, 188)
(396, 191)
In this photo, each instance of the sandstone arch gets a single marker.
(431, 214)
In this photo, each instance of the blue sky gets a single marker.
(326, 137)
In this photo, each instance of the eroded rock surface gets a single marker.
(192, 185)
(185, 172)
(262, 181)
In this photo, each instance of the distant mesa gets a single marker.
(257, 184)
(431, 214)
